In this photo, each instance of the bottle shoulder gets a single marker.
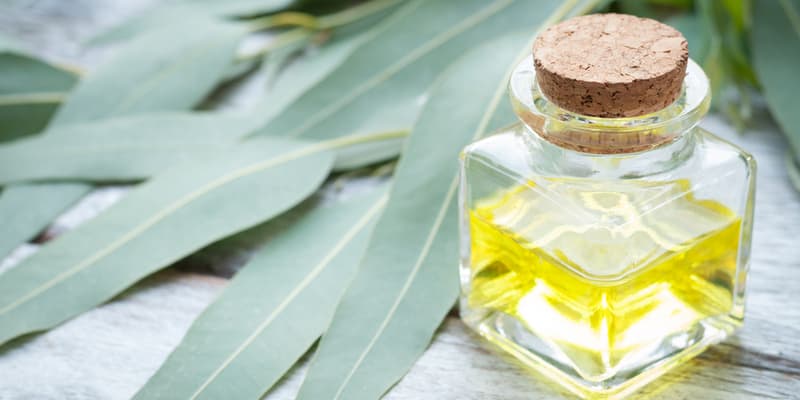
(504, 150)
(516, 151)
(717, 151)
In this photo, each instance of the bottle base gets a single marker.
(535, 352)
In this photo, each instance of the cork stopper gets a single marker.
(611, 65)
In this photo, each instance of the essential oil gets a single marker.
(605, 249)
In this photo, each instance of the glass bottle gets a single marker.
(605, 251)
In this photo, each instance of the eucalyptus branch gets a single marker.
(70, 67)
(284, 19)
(280, 41)
(335, 20)
(305, 25)
(359, 138)
(353, 14)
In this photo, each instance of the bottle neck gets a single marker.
(665, 131)
(557, 160)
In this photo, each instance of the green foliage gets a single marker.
(119, 149)
(154, 72)
(168, 13)
(344, 91)
(261, 324)
(717, 32)
(743, 46)
(30, 91)
(408, 273)
(22, 220)
(182, 210)
(169, 68)
(378, 87)
(776, 58)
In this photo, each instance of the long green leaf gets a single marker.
(19, 221)
(120, 149)
(166, 69)
(381, 85)
(776, 58)
(171, 68)
(291, 77)
(132, 148)
(30, 92)
(26, 209)
(273, 310)
(409, 272)
(171, 13)
(691, 26)
(161, 221)
(359, 156)
(239, 7)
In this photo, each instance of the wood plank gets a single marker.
(109, 352)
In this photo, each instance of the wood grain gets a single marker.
(111, 351)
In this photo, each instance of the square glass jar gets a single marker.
(604, 269)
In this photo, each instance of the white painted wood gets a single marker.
(111, 351)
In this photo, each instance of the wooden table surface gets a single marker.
(111, 351)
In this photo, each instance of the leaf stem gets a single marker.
(280, 41)
(330, 21)
(355, 13)
(32, 98)
(70, 68)
(356, 139)
(289, 18)
(305, 25)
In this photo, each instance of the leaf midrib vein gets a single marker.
(324, 262)
(15, 99)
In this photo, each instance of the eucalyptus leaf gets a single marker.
(776, 57)
(690, 25)
(408, 279)
(726, 59)
(120, 149)
(381, 85)
(21, 222)
(133, 148)
(239, 8)
(171, 68)
(637, 7)
(409, 273)
(159, 222)
(362, 155)
(293, 74)
(274, 309)
(301, 74)
(30, 92)
(176, 12)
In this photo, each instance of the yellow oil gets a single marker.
(603, 276)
